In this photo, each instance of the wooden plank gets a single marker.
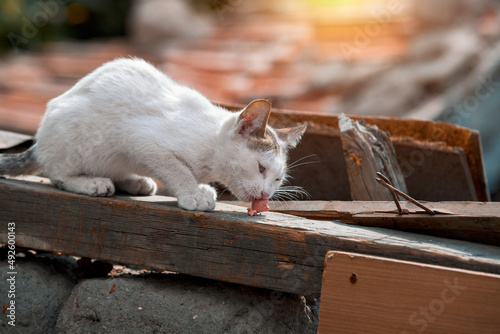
(367, 150)
(470, 221)
(272, 250)
(368, 294)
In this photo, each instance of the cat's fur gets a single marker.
(127, 122)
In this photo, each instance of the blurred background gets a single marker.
(428, 59)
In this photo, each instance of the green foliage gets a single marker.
(25, 24)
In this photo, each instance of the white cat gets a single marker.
(127, 122)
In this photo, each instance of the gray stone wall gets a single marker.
(52, 297)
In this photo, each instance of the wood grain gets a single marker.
(470, 221)
(368, 294)
(368, 150)
(273, 250)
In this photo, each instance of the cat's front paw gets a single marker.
(208, 190)
(98, 187)
(200, 202)
(138, 185)
(92, 186)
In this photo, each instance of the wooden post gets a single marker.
(368, 150)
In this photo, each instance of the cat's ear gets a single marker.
(291, 136)
(253, 119)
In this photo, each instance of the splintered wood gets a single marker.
(368, 294)
(368, 150)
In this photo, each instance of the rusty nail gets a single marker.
(405, 196)
(394, 196)
(353, 278)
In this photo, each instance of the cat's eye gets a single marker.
(262, 169)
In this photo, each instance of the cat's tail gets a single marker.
(24, 163)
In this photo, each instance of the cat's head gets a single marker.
(257, 165)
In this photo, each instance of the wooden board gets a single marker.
(437, 173)
(368, 294)
(471, 221)
(272, 250)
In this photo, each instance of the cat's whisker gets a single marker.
(303, 164)
(292, 193)
(298, 162)
(297, 191)
(223, 191)
(303, 158)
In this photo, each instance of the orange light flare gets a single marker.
(358, 30)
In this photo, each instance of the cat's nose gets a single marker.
(264, 195)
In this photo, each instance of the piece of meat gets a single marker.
(258, 205)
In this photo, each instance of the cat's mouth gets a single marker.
(249, 198)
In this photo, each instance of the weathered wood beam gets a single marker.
(273, 250)
(470, 221)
